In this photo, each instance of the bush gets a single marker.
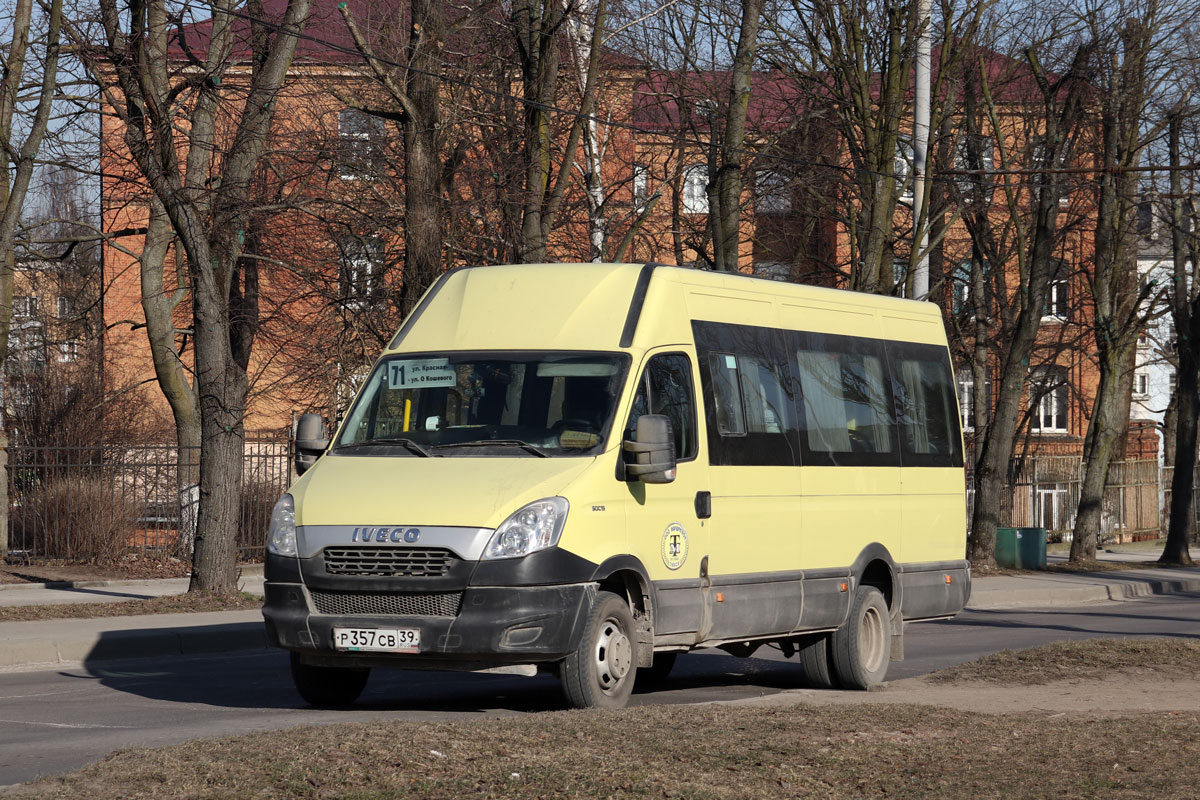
(78, 520)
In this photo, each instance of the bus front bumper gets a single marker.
(494, 626)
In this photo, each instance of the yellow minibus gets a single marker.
(591, 468)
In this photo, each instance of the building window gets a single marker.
(64, 307)
(1058, 296)
(961, 288)
(1049, 395)
(362, 266)
(975, 157)
(1141, 384)
(27, 344)
(773, 270)
(903, 164)
(361, 140)
(1053, 507)
(641, 185)
(772, 195)
(695, 189)
(25, 306)
(966, 398)
(900, 276)
(68, 351)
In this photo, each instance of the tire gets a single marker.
(658, 673)
(328, 687)
(600, 673)
(861, 648)
(816, 662)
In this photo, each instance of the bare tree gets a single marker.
(1130, 44)
(202, 177)
(17, 159)
(1184, 296)
(1031, 243)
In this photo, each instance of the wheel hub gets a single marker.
(614, 655)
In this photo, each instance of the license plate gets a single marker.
(377, 640)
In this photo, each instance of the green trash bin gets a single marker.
(1021, 548)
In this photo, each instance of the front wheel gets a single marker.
(861, 649)
(600, 673)
(328, 687)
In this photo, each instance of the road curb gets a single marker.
(85, 641)
(1037, 596)
(244, 571)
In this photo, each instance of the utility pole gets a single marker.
(921, 150)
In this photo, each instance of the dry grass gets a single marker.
(172, 604)
(673, 752)
(712, 751)
(1089, 659)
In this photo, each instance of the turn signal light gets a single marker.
(844, 587)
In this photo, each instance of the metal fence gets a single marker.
(99, 503)
(1044, 493)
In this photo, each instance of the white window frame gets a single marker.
(1141, 384)
(362, 260)
(641, 185)
(68, 351)
(694, 191)
(25, 306)
(902, 162)
(1058, 301)
(359, 144)
(1051, 414)
(960, 288)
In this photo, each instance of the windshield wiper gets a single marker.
(526, 446)
(412, 446)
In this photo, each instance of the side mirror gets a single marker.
(650, 457)
(311, 441)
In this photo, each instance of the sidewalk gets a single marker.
(34, 644)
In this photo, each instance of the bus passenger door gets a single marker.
(668, 524)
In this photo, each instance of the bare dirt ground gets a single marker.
(14, 570)
(1121, 694)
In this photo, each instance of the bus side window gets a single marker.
(666, 388)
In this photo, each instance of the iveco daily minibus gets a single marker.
(590, 468)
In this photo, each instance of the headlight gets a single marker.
(281, 539)
(534, 527)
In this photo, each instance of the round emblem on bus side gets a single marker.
(674, 546)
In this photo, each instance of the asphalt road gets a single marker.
(59, 720)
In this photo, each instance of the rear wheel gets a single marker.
(816, 661)
(328, 687)
(861, 648)
(600, 673)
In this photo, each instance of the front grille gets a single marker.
(408, 562)
(420, 604)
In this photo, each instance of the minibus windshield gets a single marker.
(486, 404)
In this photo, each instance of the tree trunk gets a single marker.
(422, 159)
(1185, 313)
(1110, 419)
(222, 386)
(726, 234)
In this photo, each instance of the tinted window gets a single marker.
(666, 388)
(727, 394)
(926, 411)
(751, 413)
(845, 401)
